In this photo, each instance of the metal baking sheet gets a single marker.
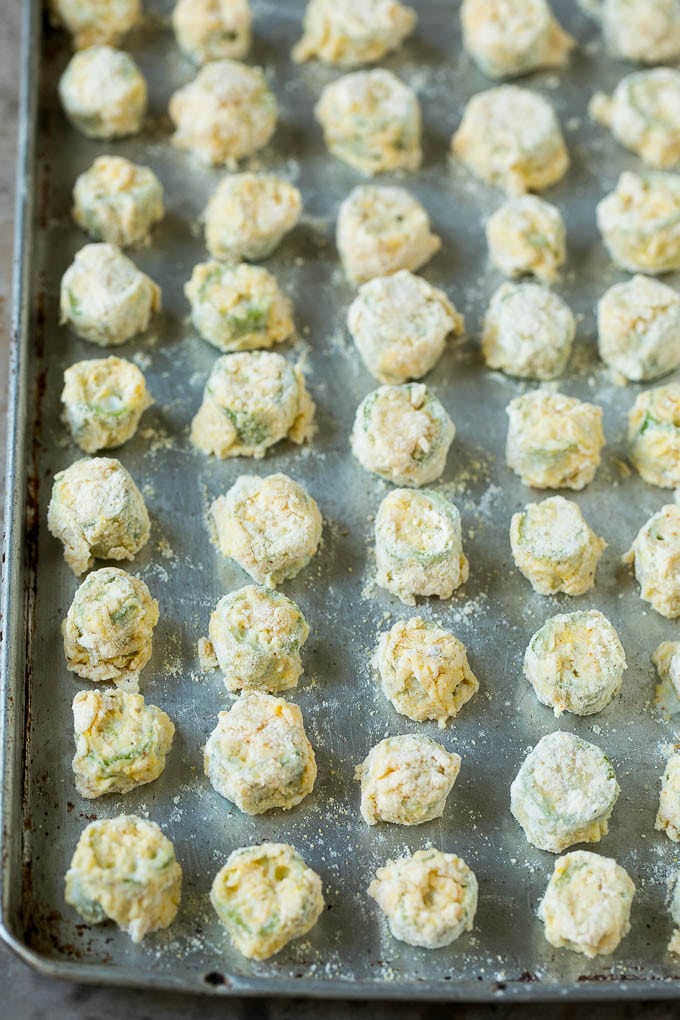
(349, 953)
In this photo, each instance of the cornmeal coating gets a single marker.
(238, 308)
(249, 214)
(226, 113)
(527, 237)
(424, 671)
(108, 630)
(104, 298)
(418, 545)
(125, 870)
(586, 907)
(564, 793)
(354, 32)
(640, 222)
(96, 22)
(258, 756)
(103, 399)
(639, 328)
(381, 230)
(121, 743)
(265, 896)
(271, 526)
(654, 435)
(507, 38)
(371, 121)
(554, 441)
(402, 434)
(118, 201)
(400, 325)
(643, 114)
(575, 663)
(510, 137)
(256, 636)
(429, 898)
(212, 29)
(668, 815)
(406, 780)
(655, 555)
(528, 331)
(642, 31)
(103, 93)
(553, 546)
(98, 512)
(666, 658)
(251, 401)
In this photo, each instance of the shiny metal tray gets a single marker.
(349, 953)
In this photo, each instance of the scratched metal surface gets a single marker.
(350, 951)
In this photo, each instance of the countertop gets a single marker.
(26, 995)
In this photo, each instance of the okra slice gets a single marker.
(554, 441)
(238, 308)
(249, 214)
(382, 229)
(109, 626)
(639, 328)
(212, 29)
(265, 896)
(92, 23)
(118, 201)
(258, 756)
(104, 298)
(256, 636)
(271, 526)
(371, 120)
(103, 401)
(575, 662)
(655, 556)
(103, 93)
(251, 401)
(527, 237)
(640, 222)
(400, 325)
(506, 38)
(98, 512)
(429, 898)
(654, 435)
(357, 32)
(424, 671)
(418, 545)
(643, 114)
(528, 331)
(121, 743)
(124, 869)
(402, 434)
(564, 793)
(510, 137)
(406, 780)
(553, 546)
(228, 112)
(586, 906)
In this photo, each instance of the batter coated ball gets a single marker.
(103, 93)
(258, 756)
(371, 121)
(265, 896)
(124, 870)
(226, 113)
(382, 229)
(98, 512)
(271, 526)
(510, 137)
